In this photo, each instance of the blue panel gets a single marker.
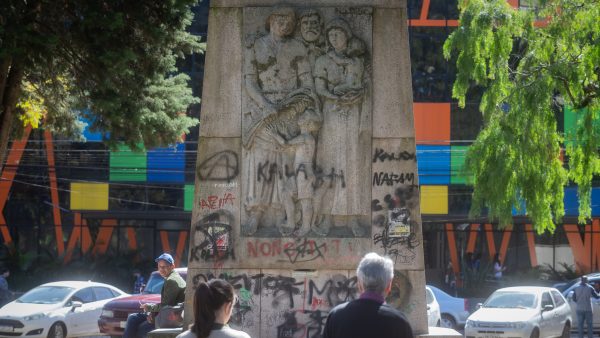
(522, 211)
(571, 201)
(166, 164)
(596, 201)
(433, 163)
(90, 136)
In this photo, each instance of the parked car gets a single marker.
(568, 293)
(433, 308)
(57, 310)
(114, 314)
(523, 311)
(454, 311)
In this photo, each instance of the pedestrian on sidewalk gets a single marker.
(582, 296)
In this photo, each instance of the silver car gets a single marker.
(454, 311)
(524, 311)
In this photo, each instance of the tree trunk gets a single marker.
(11, 93)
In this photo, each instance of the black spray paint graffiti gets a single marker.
(305, 250)
(382, 155)
(390, 179)
(313, 328)
(212, 237)
(268, 171)
(222, 166)
(400, 248)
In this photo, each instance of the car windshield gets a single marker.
(46, 295)
(520, 300)
(155, 284)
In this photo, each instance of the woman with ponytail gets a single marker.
(213, 306)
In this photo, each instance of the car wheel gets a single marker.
(57, 330)
(566, 331)
(448, 321)
(535, 333)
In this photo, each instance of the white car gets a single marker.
(524, 311)
(433, 309)
(455, 311)
(57, 310)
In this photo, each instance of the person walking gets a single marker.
(5, 294)
(172, 293)
(498, 267)
(582, 296)
(213, 307)
(369, 315)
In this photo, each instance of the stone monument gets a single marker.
(306, 160)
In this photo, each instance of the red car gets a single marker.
(114, 313)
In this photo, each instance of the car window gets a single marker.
(84, 295)
(546, 299)
(558, 299)
(45, 295)
(504, 299)
(428, 296)
(103, 293)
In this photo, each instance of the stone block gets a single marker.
(221, 95)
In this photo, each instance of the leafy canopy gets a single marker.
(110, 62)
(530, 64)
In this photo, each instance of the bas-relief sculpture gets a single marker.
(307, 123)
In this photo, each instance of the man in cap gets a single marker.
(172, 293)
(369, 315)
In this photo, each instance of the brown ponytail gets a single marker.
(209, 298)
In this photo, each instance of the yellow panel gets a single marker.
(89, 196)
(434, 199)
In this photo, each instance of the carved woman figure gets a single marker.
(340, 82)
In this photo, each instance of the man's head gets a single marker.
(584, 280)
(311, 25)
(281, 22)
(165, 264)
(375, 274)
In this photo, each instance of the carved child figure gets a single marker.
(304, 147)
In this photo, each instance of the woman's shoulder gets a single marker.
(186, 334)
(233, 333)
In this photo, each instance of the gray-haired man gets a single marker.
(582, 295)
(369, 315)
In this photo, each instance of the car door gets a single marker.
(548, 327)
(562, 309)
(80, 320)
(595, 305)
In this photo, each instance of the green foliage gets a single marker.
(111, 61)
(527, 72)
(567, 273)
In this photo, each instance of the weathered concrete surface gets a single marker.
(441, 332)
(221, 104)
(262, 146)
(165, 333)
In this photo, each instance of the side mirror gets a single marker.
(570, 295)
(548, 307)
(75, 304)
(428, 307)
(479, 305)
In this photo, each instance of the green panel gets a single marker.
(570, 125)
(126, 165)
(457, 162)
(188, 197)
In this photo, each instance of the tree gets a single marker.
(529, 64)
(110, 62)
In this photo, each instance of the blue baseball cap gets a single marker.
(165, 257)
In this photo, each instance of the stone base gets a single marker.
(165, 333)
(440, 332)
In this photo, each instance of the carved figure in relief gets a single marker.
(278, 80)
(311, 28)
(305, 148)
(341, 83)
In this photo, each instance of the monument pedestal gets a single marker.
(440, 332)
(306, 160)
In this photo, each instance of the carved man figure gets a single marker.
(278, 80)
(311, 28)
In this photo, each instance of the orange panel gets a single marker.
(472, 238)
(504, 245)
(531, 245)
(432, 123)
(104, 236)
(180, 246)
(164, 240)
(131, 238)
(581, 249)
(60, 244)
(489, 234)
(453, 252)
